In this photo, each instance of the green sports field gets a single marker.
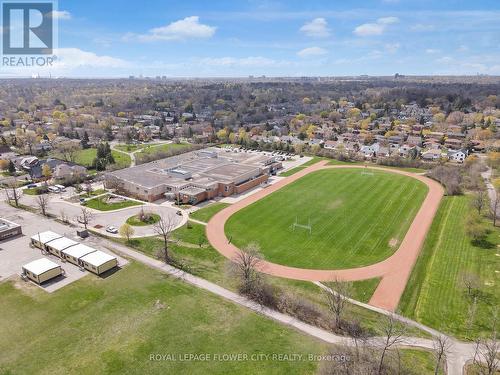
(356, 219)
(435, 294)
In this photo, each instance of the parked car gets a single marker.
(54, 189)
(111, 229)
(60, 187)
(31, 186)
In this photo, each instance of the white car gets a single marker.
(111, 229)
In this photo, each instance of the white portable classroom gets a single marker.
(58, 245)
(41, 270)
(98, 262)
(41, 239)
(74, 253)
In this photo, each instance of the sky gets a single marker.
(221, 38)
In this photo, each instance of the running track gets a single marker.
(394, 270)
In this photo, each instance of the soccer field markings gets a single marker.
(394, 271)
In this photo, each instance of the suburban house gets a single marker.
(457, 156)
(430, 155)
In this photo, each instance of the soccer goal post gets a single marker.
(298, 225)
(367, 171)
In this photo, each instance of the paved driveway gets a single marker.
(57, 206)
(16, 252)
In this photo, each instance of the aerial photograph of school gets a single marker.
(250, 187)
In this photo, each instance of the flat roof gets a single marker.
(97, 258)
(40, 266)
(78, 251)
(62, 243)
(45, 237)
(222, 168)
(192, 190)
(7, 224)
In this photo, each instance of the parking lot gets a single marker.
(16, 252)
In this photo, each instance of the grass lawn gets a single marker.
(101, 205)
(206, 262)
(97, 326)
(31, 191)
(94, 193)
(356, 219)
(435, 294)
(136, 222)
(132, 148)
(205, 214)
(361, 290)
(291, 171)
(86, 157)
(165, 147)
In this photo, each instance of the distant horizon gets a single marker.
(250, 77)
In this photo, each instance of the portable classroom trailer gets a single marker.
(41, 239)
(41, 270)
(98, 262)
(74, 253)
(58, 245)
(9, 229)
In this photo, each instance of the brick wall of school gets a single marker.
(250, 184)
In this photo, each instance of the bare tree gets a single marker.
(64, 217)
(496, 200)
(88, 188)
(126, 231)
(442, 346)
(68, 150)
(86, 216)
(393, 335)
(487, 359)
(471, 283)
(42, 201)
(337, 300)
(164, 228)
(357, 333)
(245, 264)
(12, 193)
(479, 200)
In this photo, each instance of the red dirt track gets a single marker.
(394, 270)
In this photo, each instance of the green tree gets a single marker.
(11, 168)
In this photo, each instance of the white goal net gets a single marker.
(302, 226)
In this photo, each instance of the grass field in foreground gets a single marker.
(356, 219)
(205, 214)
(113, 325)
(435, 294)
(97, 326)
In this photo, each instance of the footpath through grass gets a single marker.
(114, 325)
(435, 294)
(355, 219)
(205, 214)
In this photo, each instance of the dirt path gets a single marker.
(394, 270)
